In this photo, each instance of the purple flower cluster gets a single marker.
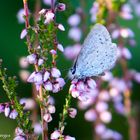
(50, 79)
(82, 89)
(5, 108)
(75, 33)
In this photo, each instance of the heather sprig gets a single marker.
(16, 112)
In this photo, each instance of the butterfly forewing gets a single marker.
(97, 55)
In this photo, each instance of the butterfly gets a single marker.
(98, 54)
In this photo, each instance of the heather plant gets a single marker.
(99, 97)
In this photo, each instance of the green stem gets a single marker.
(64, 114)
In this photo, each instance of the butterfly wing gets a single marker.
(97, 55)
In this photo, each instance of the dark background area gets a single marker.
(12, 48)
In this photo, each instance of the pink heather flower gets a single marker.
(119, 107)
(2, 108)
(37, 128)
(115, 34)
(38, 78)
(74, 20)
(71, 52)
(126, 53)
(47, 117)
(91, 83)
(61, 82)
(90, 115)
(137, 76)
(49, 17)
(80, 86)
(46, 76)
(56, 88)
(48, 86)
(75, 34)
(60, 47)
(18, 131)
(118, 98)
(28, 103)
(119, 84)
(61, 27)
(132, 42)
(69, 138)
(101, 106)
(23, 33)
(23, 62)
(32, 58)
(126, 32)
(72, 112)
(20, 15)
(61, 7)
(105, 116)
(107, 77)
(42, 11)
(40, 61)
(13, 114)
(108, 134)
(37, 86)
(104, 95)
(137, 9)
(7, 111)
(84, 97)
(75, 93)
(117, 136)
(126, 12)
(55, 135)
(94, 11)
(55, 73)
(51, 100)
(53, 52)
(81, 89)
(100, 129)
(85, 105)
(31, 78)
(24, 74)
(38, 47)
(47, 2)
(51, 109)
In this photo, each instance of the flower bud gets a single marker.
(32, 58)
(46, 76)
(55, 135)
(23, 33)
(51, 109)
(61, 27)
(55, 73)
(7, 111)
(72, 112)
(13, 114)
(49, 17)
(48, 86)
(61, 7)
(47, 117)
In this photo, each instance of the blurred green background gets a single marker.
(12, 48)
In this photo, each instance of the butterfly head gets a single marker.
(71, 73)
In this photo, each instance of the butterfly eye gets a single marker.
(73, 70)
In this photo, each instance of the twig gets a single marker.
(44, 124)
